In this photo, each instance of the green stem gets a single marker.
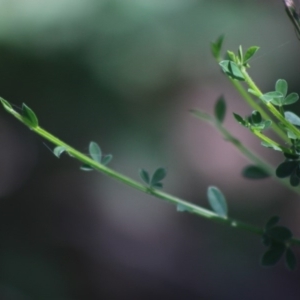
(271, 142)
(195, 209)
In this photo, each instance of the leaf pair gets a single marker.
(96, 154)
(275, 238)
(153, 181)
(232, 66)
(279, 97)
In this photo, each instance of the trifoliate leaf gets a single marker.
(255, 172)
(281, 86)
(95, 152)
(220, 109)
(217, 201)
(290, 259)
(30, 116)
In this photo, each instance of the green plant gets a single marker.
(268, 114)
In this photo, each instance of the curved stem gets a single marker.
(189, 207)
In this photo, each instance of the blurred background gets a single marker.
(125, 73)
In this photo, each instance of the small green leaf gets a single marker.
(240, 120)
(256, 117)
(291, 98)
(158, 175)
(272, 222)
(250, 52)
(279, 233)
(58, 151)
(217, 46)
(220, 109)
(273, 255)
(281, 86)
(106, 159)
(292, 118)
(290, 259)
(231, 56)
(286, 169)
(29, 115)
(217, 201)
(95, 152)
(255, 172)
(86, 167)
(6, 105)
(144, 175)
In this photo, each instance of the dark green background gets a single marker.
(125, 73)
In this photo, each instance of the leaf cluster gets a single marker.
(276, 239)
(153, 181)
(279, 97)
(96, 154)
(232, 66)
(254, 122)
(290, 168)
